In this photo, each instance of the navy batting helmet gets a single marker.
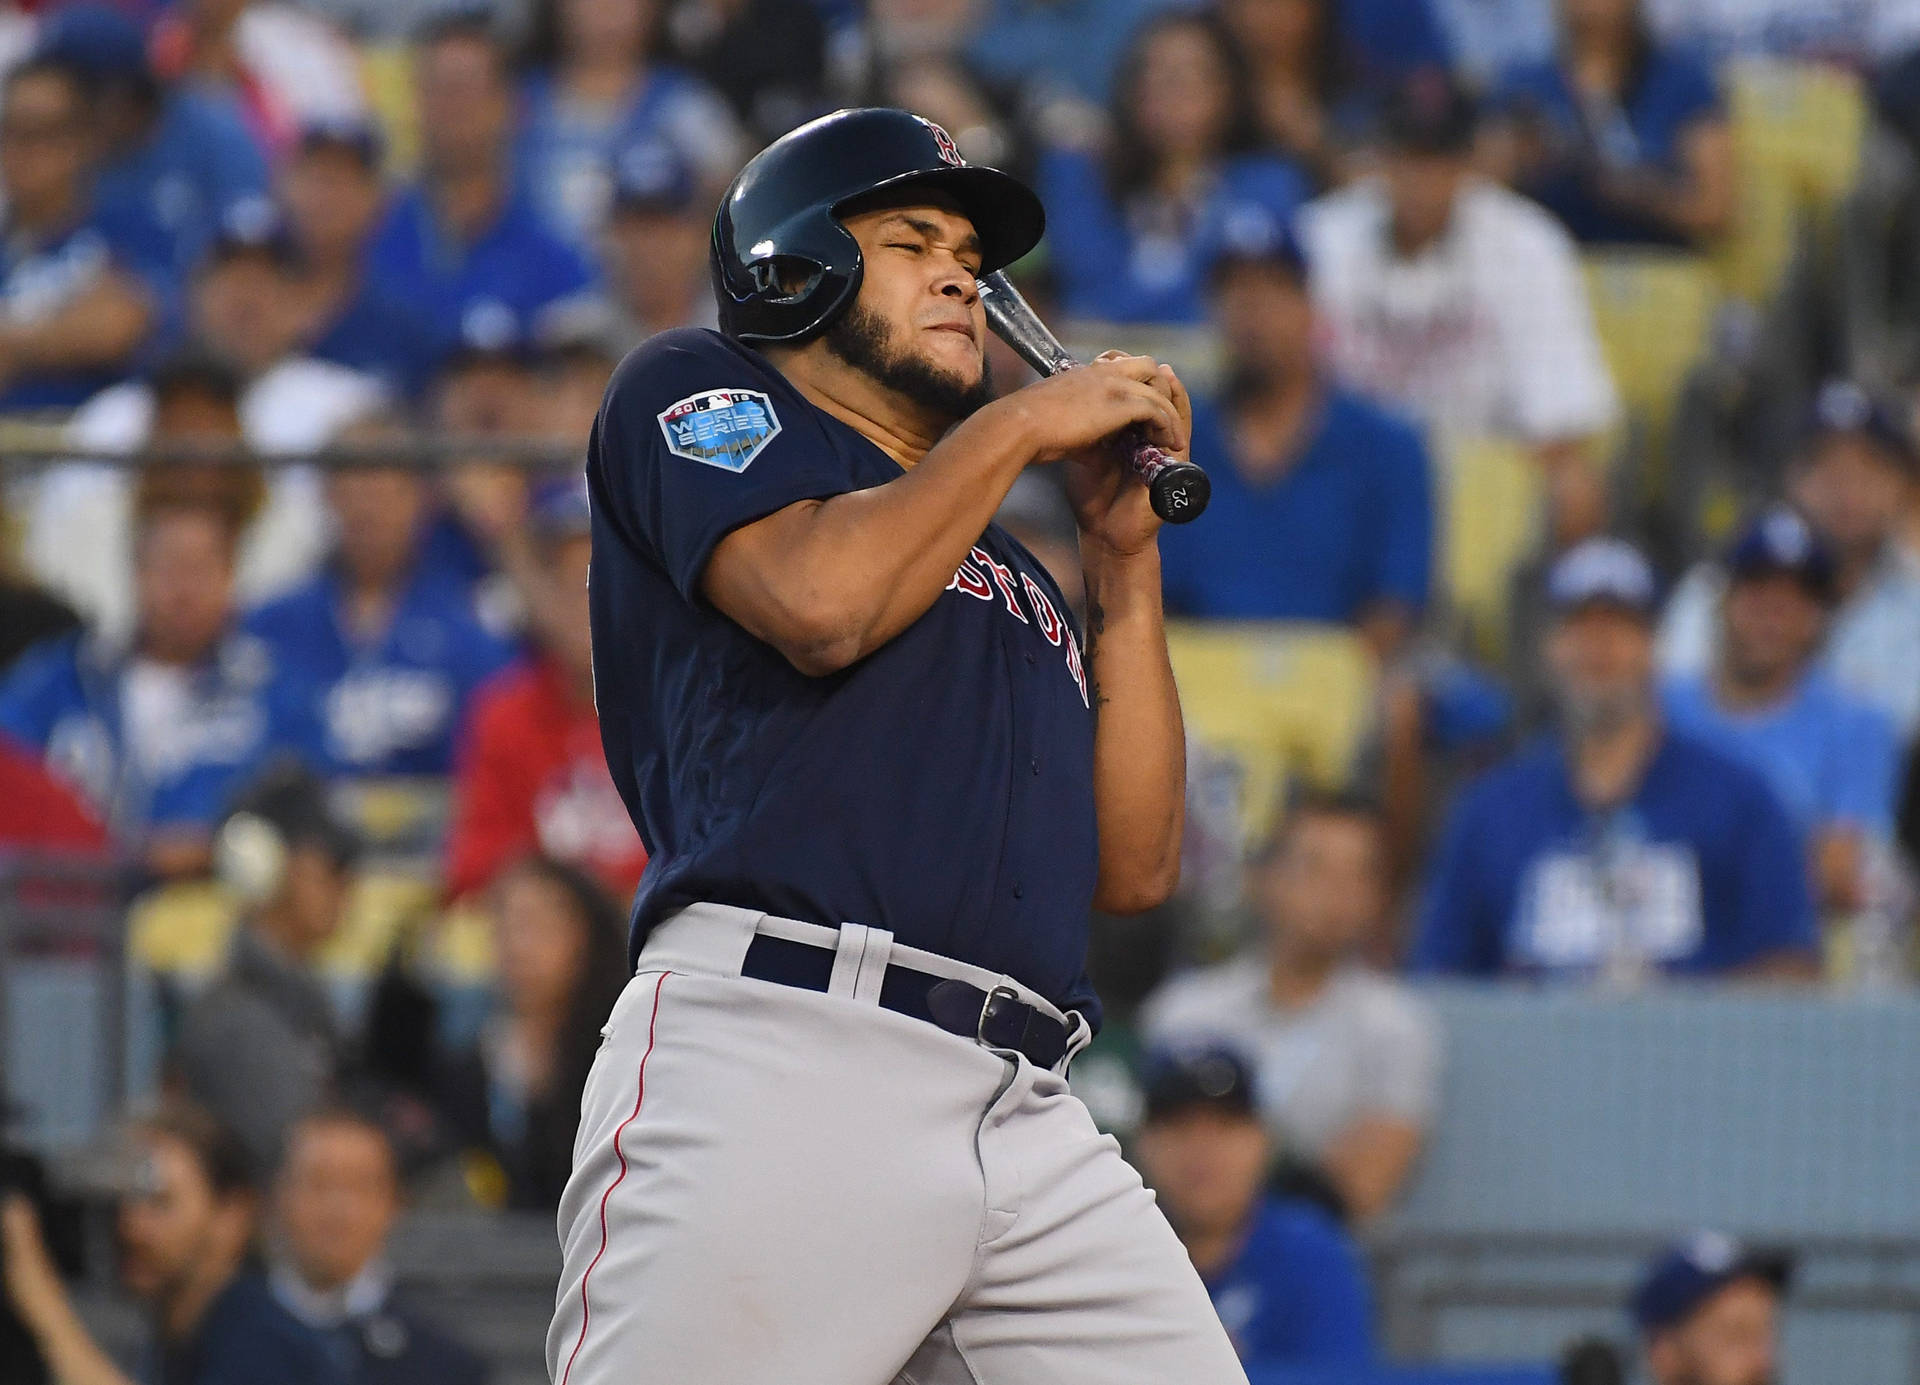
(784, 266)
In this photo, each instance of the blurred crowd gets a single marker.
(1617, 534)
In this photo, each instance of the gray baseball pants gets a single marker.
(775, 1186)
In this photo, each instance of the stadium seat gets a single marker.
(1654, 310)
(1797, 130)
(1275, 701)
(1491, 502)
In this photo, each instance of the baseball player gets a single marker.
(828, 1139)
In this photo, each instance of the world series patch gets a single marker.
(723, 428)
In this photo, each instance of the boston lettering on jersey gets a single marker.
(941, 788)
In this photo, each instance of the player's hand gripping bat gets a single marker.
(1179, 490)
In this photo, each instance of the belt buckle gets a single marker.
(988, 1009)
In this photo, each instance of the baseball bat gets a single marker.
(1179, 490)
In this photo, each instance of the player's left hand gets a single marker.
(1110, 503)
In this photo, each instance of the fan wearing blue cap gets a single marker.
(81, 287)
(1285, 1277)
(331, 188)
(1853, 477)
(654, 248)
(1708, 1312)
(1323, 506)
(1831, 757)
(1616, 847)
(175, 157)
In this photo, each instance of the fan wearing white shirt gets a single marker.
(1462, 303)
(1346, 1060)
(77, 517)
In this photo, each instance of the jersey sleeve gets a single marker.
(694, 441)
(1866, 767)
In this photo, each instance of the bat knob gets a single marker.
(1180, 492)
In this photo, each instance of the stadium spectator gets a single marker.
(561, 956)
(1461, 302)
(82, 285)
(767, 57)
(531, 774)
(1853, 35)
(655, 246)
(576, 349)
(330, 186)
(1050, 49)
(984, 128)
(1853, 479)
(261, 1046)
(1132, 233)
(1488, 37)
(1708, 1313)
(380, 652)
(281, 64)
(1621, 137)
(1322, 507)
(1616, 847)
(185, 1229)
(336, 1200)
(595, 81)
(171, 157)
(287, 405)
(1830, 758)
(157, 732)
(464, 238)
(1346, 1061)
(28, 612)
(1305, 81)
(1287, 1281)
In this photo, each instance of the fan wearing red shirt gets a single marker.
(530, 774)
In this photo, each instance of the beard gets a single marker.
(862, 339)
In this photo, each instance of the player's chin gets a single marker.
(953, 353)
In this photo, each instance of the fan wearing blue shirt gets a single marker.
(332, 192)
(159, 733)
(1133, 234)
(464, 239)
(1832, 759)
(382, 651)
(1617, 847)
(177, 158)
(1624, 139)
(81, 287)
(1285, 1277)
(1322, 502)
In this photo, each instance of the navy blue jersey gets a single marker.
(941, 788)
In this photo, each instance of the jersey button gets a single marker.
(1019, 890)
(1036, 764)
(1030, 658)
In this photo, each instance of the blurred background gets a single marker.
(1538, 1002)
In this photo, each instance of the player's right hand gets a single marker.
(1069, 414)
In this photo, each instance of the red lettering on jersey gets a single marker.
(1004, 576)
(1050, 623)
(1075, 667)
(969, 580)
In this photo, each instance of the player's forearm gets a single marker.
(839, 578)
(1139, 753)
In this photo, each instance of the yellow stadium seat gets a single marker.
(1797, 131)
(1653, 310)
(1280, 700)
(1491, 498)
(184, 929)
(386, 72)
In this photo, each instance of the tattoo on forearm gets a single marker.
(1096, 627)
